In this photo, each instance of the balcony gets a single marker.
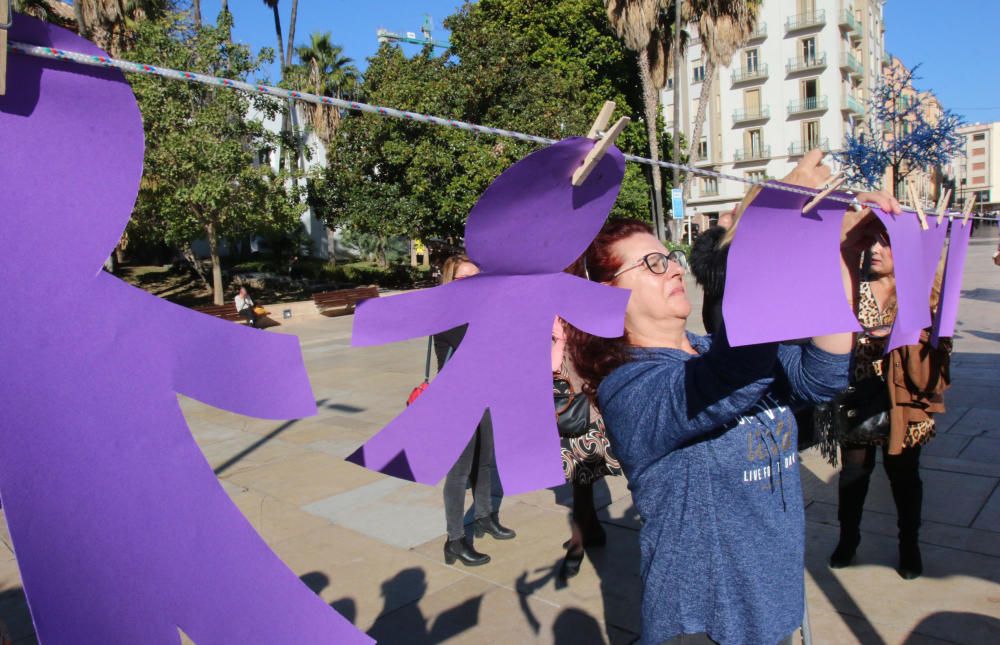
(851, 65)
(745, 75)
(758, 153)
(799, 148)
(805, 20)
(811, 104)
(850, 22)
(759, 32)
(751, 114)
(804, 64)
(853, 105)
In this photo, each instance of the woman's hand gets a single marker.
(882, 199)
(811, 171)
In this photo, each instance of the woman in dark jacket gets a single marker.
(476, 461)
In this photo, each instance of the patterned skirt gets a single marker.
(587, 458)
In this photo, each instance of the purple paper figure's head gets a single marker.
(532, 219)
(85, 131)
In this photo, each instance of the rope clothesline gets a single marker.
(296, 95)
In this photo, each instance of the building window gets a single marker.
(703, 148)
(752, 61)
(979, 137)
(756, 176)
(979, 180)
(670, 83)
(810, 135)
(755, 143)
(710, 186)
(699, 73)
(982, 196)
(980, 165)
(979, 152)
(808, 50)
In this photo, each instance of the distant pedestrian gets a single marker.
(245, 307)
(477, 461)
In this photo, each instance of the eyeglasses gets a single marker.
(656, 262)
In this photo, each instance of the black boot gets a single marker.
(491, 524)
(852, 488)
(908, 493)
(911, 565)
(462, 551)
(846, 547)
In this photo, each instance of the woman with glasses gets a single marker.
(706, 437)
(477, 461)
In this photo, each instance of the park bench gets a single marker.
(226, 312)
(343, 298)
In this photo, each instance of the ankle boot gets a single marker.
(491, 524)
(846, 547)
(911, 565)
(462, 551)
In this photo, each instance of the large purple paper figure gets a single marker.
(122, 532)
(526, 228)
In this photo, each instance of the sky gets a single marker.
(959, 49)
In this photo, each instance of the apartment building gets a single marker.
(800, 82)
(977, 172)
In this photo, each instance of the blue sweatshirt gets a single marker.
(708, 444)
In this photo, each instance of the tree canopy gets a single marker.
(542, 68)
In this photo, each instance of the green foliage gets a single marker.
(544, 68)
(199, 178)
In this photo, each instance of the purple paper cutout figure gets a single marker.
(913, 311)
(121, 530)
(931, 244)
(783, 278)
(525, 229)
(951, 286)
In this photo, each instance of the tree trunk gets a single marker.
(281, 40)
(650, 102)
(291, 32)
(213, 248)
(196, 12)
(192, 259)
(699, 121)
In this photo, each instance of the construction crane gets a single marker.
(384, 35)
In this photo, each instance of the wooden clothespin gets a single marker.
(916, 204)
(6, 21)
(942, 207)
(603, 142)
(835, 181)
(967, 209)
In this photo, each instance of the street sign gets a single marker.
(677, 202)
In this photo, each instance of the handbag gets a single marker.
(861, 413)
(417, 391)
(572, 408)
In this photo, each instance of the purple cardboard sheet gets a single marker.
(121, 530)
(783, 277)
(931, 244)
(527, 226)
(909, 257)
(951, 287)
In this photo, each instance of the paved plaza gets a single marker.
(371, 545)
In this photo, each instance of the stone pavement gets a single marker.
(371, 545)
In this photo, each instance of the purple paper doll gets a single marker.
(951, 287)
(910, 247)
(121, 530)
(526, 228)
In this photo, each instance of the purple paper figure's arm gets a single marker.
(931, 243)
(783, 276)
(913, 307)
(951, 287)
(409, 315)
(219, 363)
(594, 308)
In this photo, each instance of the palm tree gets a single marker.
(110, 23)
(724, 26)
(644, 26)
(327, 72)
(273, 5)
(53, 11)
